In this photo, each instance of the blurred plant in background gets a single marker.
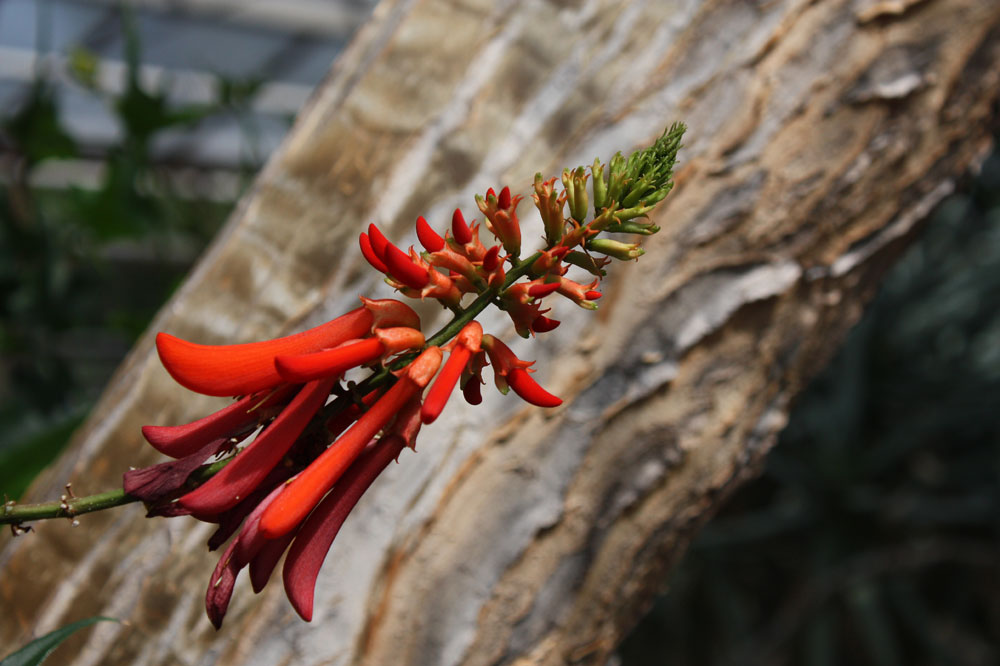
(83, 270)
(873, 536)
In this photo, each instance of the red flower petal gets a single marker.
(226, 370)
(459, 229)
(542, 289)
(239, 478)
(529, 390)
(250, 540)
(472, 391)
(266, 559)
(165, 480)
(491, 259)
(183, 440)
(369, 253)
(220, 587)
(503, 201)
(378, 241)
(543, 324)
(428, 237)
(305, 557)
(329, 362)
(404, 269)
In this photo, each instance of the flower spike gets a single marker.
(292, 486)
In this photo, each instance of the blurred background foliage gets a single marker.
(873, 536)
(83, 269)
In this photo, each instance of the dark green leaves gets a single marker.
(36, 651)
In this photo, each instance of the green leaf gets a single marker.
(36, 651)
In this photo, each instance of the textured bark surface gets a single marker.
(821, 133)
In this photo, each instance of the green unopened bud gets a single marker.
(567, 181)
(639, 190)
(616, 249)
(604, 220)
(599, 186)
(616, 177)
(632, 213)
(578, 202)
(632, 227)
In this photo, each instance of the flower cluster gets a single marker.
(300, 446)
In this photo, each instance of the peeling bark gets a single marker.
(821, 134)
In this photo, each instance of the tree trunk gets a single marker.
(821, 134)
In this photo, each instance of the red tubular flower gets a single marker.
(509, 370)
(582, 295)
(549, 260)
(522, 308)
(465, 345)
(237, 479)
(551, 207)
(429, 238)
(226, 370)
(309, 549)
(335, 362)
(502, 220)
(305, 491)
(183, 440)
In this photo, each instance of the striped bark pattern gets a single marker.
(821, 134)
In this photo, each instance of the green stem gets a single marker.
(12, 513)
